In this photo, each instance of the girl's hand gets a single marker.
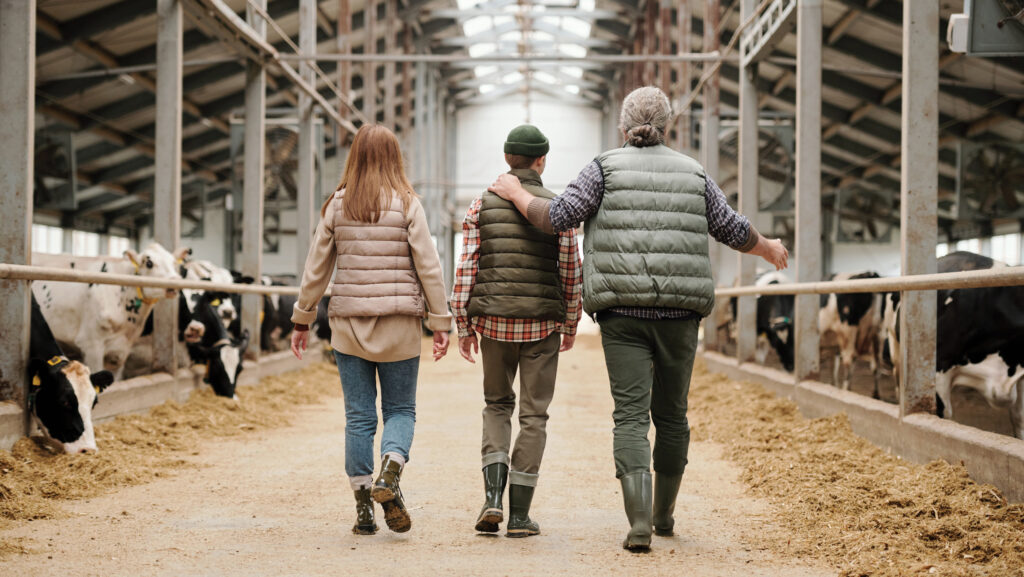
(440, 344)
(300, 340)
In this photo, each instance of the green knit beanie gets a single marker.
(526, 140)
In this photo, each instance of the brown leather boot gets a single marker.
(365, 524)
(387, 492)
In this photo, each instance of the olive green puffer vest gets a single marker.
(518, 274)
(647, 246)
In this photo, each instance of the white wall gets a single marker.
(573, 130)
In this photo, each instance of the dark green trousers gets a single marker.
(649, 365)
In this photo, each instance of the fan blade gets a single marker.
(288, 183)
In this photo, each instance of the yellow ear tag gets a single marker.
(54, 361)
(36, 382)
(97, 389)
(215, 303)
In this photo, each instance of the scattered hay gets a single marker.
(844, 500)
(135, 449)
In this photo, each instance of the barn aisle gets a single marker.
(277, 503)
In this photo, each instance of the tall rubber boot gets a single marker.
(519, 523)
(387, 492)
(637, 497)
(666, 489)
(495, 478)
(365, 524)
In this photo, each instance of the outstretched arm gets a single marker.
(735, 231)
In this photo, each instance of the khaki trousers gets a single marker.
(538, 361)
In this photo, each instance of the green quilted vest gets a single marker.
(647, 246)
(518, 274)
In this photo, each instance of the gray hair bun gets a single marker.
(645, 114)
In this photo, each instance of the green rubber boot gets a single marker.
(387, 492)
(495, 478)
(365, 524)
(666, 489)
(519, 523)
(636, 495)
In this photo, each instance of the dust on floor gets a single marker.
(134, 449)
(844, 500)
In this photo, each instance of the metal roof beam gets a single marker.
(96, 22)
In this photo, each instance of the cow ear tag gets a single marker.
(36, 382)
(54, 361)
(215, 303)
(97, 389)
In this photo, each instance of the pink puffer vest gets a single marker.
(376, 275)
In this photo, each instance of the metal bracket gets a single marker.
(777, 20)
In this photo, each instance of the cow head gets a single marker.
(62, 396)
(156, 262)
(221, 354)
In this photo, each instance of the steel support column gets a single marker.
(709, 154)
(808, 185)
(344, 45)
(918, 198)
(390, 30)
(167, 180)
(683, 79)
(305, 222)
(17, 125)
(370, 67)
(746, 315)
(252, 195)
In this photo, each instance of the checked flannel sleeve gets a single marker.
(571, 276)
(465, 273)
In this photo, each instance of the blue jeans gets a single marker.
(398, 404)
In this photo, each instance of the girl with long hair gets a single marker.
(374, 240)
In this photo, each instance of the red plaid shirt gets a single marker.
(505, 329)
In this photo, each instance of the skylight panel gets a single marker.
(485, 88)
(576, 26)
(545, 77)
(512, 78)
(513, 36)
(574, 71)
(572, 89)
(482, 71)
(586, 5)
(574, 50)
(476, 25)
(482, 49)
(464, 4)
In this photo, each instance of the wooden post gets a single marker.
(746, 315)
(709, 154)
(918, 202)
(306, 215)
(167, 180)
(252, 201)
(17, 125)
(808, 186)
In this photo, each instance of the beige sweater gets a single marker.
(383, 338)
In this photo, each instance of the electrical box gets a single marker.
(988, 28)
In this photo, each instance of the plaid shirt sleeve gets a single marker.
(569, 272)
(580, 200)
(724, 224)
(465, 273)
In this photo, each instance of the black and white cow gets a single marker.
(204, 270)
(221, 353)
(855, 321)
(103, 321)
(62, 393)
(774, 322)
(979, 340)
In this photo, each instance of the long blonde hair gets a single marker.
(374, 166)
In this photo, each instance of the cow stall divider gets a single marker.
(916, 436)
(140, 393)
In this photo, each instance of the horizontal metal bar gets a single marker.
(1009, 276)
(133, 69)
(462, 58)
(28, 272)
(466, 14)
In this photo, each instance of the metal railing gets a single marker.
(1008, 276)
(28, 272)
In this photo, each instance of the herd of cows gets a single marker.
(103, 327)
(979, 335)
(84, 335)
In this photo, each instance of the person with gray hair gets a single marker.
(647, 212)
